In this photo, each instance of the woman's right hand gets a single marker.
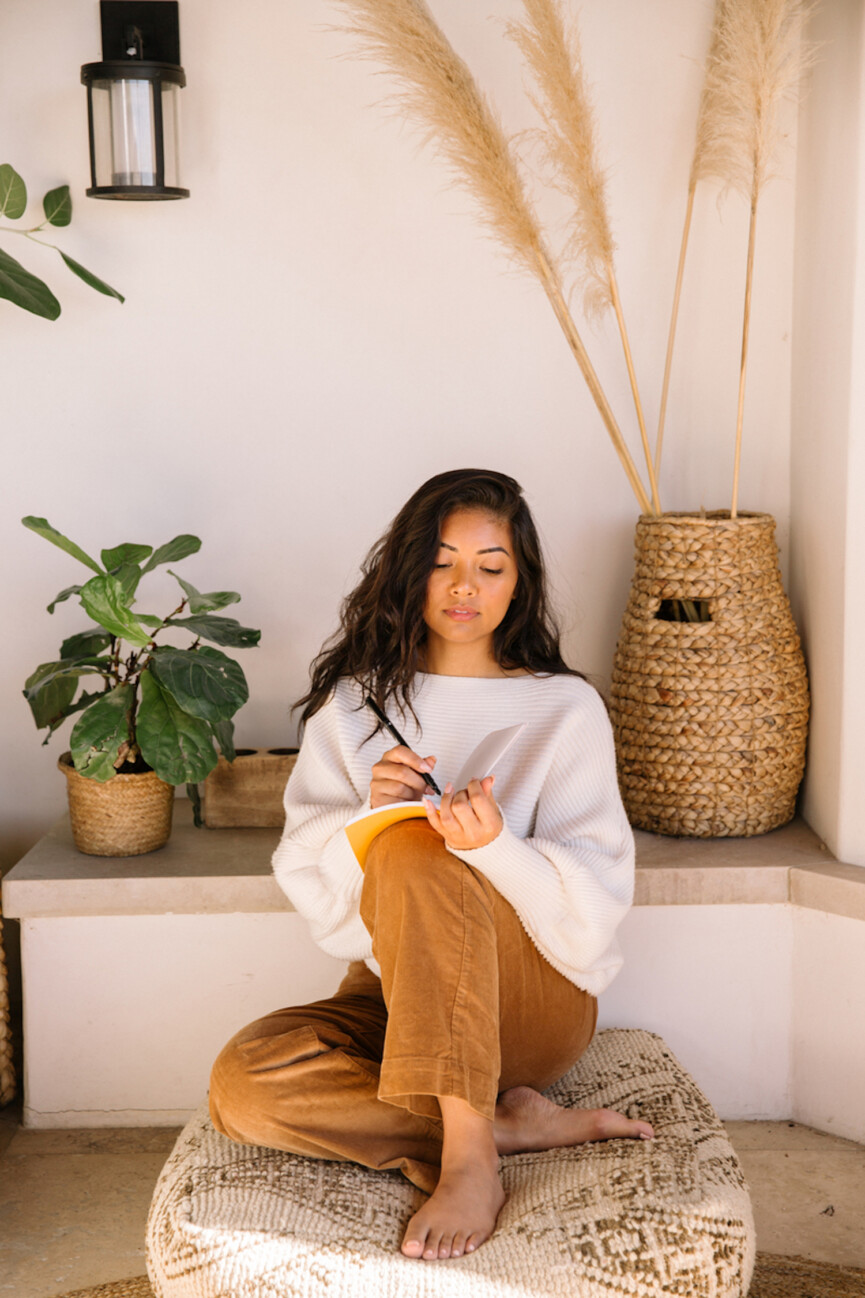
(398, 777)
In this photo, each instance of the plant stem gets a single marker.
(671, 338)
(554, 294)
(629, 361)
(746, 326)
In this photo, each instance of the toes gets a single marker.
(459, 1245)
(474, 1241)
(415, 1239)
(445, 1248)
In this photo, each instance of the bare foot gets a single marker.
(526, 1120)
(459, 1215)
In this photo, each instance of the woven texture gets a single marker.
(137, 1287)
(128, 815)
(774, 1277)
(7, 1068)
(710, 718)
(619, 1218)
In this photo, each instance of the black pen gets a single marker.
(388, 725)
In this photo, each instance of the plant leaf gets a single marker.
(22, 289)
(85, 644)
(51, 688)
(44, 528)
(98, 734)
(128, 575)
(102, 598)
(173, 551)
(83, 701)
(199, 603)
(223, 732)
(204, 682)
(178, 747)
(126, 553)
(64, 595)
(219, 630)
(149, 619)
(89, 278)
(13, 193)
(57, 206)
(194, 796)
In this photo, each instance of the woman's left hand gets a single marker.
(466, 819)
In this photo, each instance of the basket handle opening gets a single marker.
(684, 610)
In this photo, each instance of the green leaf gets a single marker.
(22, 289)
(102, 598)
(173, 551)
(204, 682)
(83, 701)
(64, 595)
(127, 553)
(85, 644)
(97, 735)
(50, 698)
(149, 619)
(13, 193)
(128, 575)
(199, 603)
(89, 278)
(44, 528)
(223, 732)
(57, 206)
(52, 687)
(178, 747)
(194, 796)
(220, 630)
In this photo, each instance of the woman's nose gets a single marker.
(461, 581)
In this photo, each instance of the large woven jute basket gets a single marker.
(7, 1067)
(710, 718)
(128, 815)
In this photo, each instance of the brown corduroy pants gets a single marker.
(466, 1006)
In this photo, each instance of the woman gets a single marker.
(480, 937)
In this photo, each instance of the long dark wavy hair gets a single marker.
(382, 632)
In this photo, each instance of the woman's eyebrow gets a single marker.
(493, 549)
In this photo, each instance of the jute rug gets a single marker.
(774, 1277)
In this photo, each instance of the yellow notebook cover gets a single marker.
(364, 828)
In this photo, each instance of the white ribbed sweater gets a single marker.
(565, 857)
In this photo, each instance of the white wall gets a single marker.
(828, 473)
(322, 325)
(828, 1046)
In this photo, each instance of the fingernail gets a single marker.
(425, 766)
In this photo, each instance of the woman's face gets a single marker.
(468, 593)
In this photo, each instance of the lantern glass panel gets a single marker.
(124, 132)
(171, 132)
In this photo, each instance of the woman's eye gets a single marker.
(442, 565)
(494, 572)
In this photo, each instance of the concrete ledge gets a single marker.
(227, 871)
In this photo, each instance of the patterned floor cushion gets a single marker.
(618, 1219)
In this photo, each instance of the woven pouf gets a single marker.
(635, 1218)
(710, 718)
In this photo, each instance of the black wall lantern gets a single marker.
(133, 102)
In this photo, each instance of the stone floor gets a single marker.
(73, 1203)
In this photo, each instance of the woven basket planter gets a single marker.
(710, 718)
(7, 1067)
(128, 815)
(248, 792)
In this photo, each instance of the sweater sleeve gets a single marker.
(572, 881)
(314, 864)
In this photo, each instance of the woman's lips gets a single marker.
(461, 614)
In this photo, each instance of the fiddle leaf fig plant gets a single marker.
(154, 706)
(17, 284)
